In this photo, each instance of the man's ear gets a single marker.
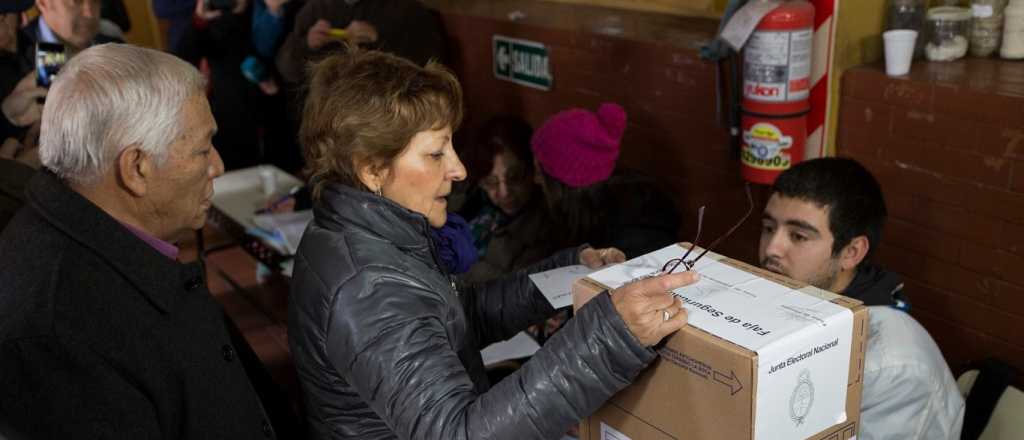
(371, 174)
(44, 5)
(135, 170)
(854, 252)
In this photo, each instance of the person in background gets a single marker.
(72, 23)
(268, 27)
(575, 153)
(176, 15)
(251, 122)
(402, 27)
(16, 52)
(271, 21)
(386, 343)
(21, 109)
(821, 225)
(505, 208)
(103, 333)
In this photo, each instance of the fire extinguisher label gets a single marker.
(777, 66)
(763, 147)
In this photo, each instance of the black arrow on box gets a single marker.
(730, 381)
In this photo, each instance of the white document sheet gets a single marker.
(520, 346)
(284, 229)
(556, 284)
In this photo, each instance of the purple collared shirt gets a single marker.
(169, 250)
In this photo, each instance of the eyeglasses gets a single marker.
(673, 264)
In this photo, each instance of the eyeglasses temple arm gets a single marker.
(750, 210)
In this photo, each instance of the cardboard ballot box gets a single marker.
(763, 357)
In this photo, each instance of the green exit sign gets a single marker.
(522, 62)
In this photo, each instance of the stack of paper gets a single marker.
(282, 231)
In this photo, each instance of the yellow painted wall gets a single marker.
(858, 41)
(145, 31)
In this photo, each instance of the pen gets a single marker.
(291, 193)
(338, 33)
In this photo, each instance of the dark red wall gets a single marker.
(666, 89)
(947, 144)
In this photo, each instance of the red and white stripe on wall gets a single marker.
(821, 87)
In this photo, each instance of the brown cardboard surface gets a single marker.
(702, 387)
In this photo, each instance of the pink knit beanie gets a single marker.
(579, 147)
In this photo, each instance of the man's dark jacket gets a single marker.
(13, 177)
(102, 336)
(388, 346)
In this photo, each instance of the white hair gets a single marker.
(109, 97)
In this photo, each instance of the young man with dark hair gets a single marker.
(822, 222)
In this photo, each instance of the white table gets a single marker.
(237, 196)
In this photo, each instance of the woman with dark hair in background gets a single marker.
(505, 208)
(386, 343)
(575, 153)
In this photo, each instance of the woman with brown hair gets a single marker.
(386, 343)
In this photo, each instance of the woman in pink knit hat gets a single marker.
(575, 153)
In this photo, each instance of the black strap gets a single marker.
(993, 378)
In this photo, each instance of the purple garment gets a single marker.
(165, 248)
(455, 244)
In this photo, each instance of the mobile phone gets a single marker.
(50, 57)
(219, 5)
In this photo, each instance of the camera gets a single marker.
(50, 57)
(219, 5)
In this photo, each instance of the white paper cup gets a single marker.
(899, 50)
(268, 180)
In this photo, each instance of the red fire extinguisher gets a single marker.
(776, 91)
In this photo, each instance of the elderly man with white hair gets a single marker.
(103, 334)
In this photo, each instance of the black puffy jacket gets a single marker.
(387, 346)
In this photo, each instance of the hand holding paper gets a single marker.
(596, 258)
(648, 307)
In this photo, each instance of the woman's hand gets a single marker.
(595, 258)
(648, 307)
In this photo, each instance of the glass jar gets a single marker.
(908, 14)
(1013, 31)
(947, 33)
(986, 26)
